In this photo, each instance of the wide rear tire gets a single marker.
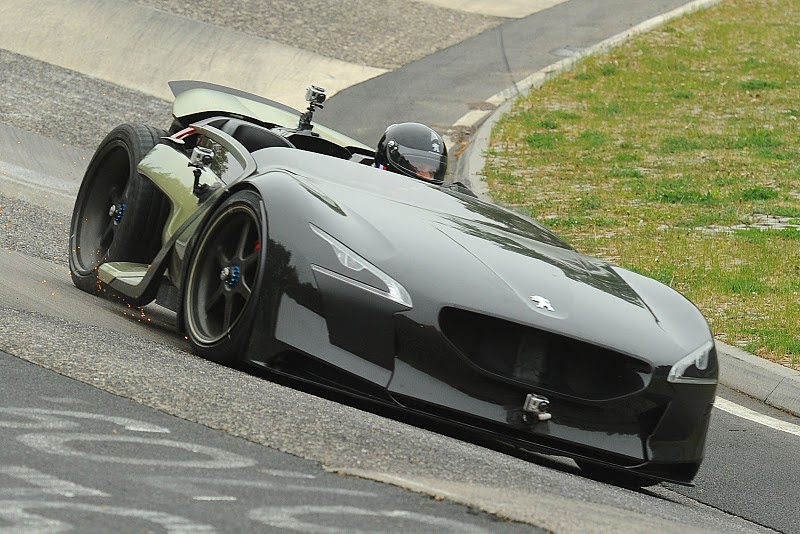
(224, 277)
(119, 214)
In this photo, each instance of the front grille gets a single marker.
(543, 359)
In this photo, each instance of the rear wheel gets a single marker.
(224, 277)
(118, 214)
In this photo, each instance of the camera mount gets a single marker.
(315, 96)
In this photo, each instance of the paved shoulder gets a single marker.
(143, 49)
(385, 34)
(507, 8)
(441, 88)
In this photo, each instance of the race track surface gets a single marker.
(114, 424)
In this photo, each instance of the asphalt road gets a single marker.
(750, 470)
(441, 88)
(72, 460)
(104, 344)
(136, 366)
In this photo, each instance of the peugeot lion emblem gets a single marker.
(542, 303)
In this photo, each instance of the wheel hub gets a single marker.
(231, 275)
(116, 212)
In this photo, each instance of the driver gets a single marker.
(413, 149)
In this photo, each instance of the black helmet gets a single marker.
(413, 149)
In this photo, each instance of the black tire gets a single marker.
(614, 476)
(133, 231)
(219, 306)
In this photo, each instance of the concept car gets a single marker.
(279, 244)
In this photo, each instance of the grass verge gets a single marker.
(664, 155)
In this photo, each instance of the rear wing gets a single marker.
(196, 100)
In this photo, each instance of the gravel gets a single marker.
(64, 105)
(33, 230)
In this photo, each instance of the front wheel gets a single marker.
(224, 278)
(118, 214)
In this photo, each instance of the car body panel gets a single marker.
(170, 171)
(391, 219)
(428, 299)
(408, 229)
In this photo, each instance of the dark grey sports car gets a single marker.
(279, 244)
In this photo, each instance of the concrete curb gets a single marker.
(756, 377)
(470, 165)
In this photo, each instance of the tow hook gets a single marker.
(536, 406)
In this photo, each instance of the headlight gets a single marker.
(394, 290)
(699, 367)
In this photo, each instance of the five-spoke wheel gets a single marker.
(223, 276)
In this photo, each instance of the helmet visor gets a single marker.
(423, 164)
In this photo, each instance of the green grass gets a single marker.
(695, 125)
(541, 140)
(758, 193)
(756, 85)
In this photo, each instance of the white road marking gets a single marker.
(200, 488)
(286, 474)
(291, 518)
(43, 483)
(507, 8)
(58, 444)
(15, 514)
(751, 415)
(53, 419)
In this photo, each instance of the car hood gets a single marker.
(557, 289)
(537, 270)
(450, 249)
